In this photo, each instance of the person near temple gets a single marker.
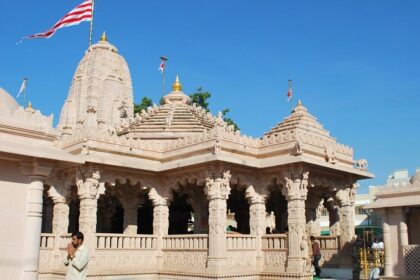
(316, 256)
(77, 258)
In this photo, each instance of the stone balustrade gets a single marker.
(186, 242)
(124, 241)
(274, 242)
(329, 242)
(47, 241)
(241, 242)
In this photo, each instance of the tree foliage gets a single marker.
(200, 98)
(145, 102)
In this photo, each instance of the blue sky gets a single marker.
(354, 64)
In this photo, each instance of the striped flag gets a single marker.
(83, 12)
(162, 64)
(22, 87)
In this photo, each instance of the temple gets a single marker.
(170, 193)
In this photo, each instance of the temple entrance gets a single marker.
(47, 211)
(145, 216)
(110, 213)
(277, 203)
(238, 211)
(180, 214)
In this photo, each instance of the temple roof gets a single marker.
(300, 120)
(176, 118)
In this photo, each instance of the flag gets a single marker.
(83, 12)
(162, 64)
(22, 87)
(289, 91)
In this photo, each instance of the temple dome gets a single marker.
(101, 92)
(176, 118)
(7, 103)
(300, 120)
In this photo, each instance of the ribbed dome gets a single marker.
(175, 119)
(100, 85)
(7, 103)
(300, 119)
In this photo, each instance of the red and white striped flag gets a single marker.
(162, 64)
(83, 12)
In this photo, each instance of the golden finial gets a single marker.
(29, 105)
(177, 86)
(103, 37)
(299, 103)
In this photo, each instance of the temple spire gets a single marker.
(103, 37)
(177, 86)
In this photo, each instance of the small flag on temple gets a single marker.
(83, 12)
(162, 64)
(22, 87)
(289, 91)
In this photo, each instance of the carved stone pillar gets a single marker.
(60, 221)
(296, 183)
(36, 173)
(217, 191)
(389, 269)
(130, 205)
(313, 215)
(160, 222)
(89, 189)
(346, 199)
(333, 216)
(257, 220)
(403, 229)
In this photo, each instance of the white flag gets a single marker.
(22, 87)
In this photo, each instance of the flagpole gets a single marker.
(163, 60)
(163, 82)
(91, 24)
(291, 95)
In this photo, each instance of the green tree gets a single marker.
(145, 102)
(229, 120)
(200, 98)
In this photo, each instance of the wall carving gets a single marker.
(185, 259)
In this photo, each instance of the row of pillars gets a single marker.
(217, 191)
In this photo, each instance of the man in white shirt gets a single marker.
(77, 258)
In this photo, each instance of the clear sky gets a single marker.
(354, 64)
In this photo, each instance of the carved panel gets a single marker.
(185, 259)
(275, 260)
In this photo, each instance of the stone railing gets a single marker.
(330, 250)
(47, 240)
(274, 241)
(274, 247)
(329, 242)
(411, 255)
(241, 242)
(185, 253)
(186, 242)
(123, 241)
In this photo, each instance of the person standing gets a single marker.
(316, 256)
(77, 258)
